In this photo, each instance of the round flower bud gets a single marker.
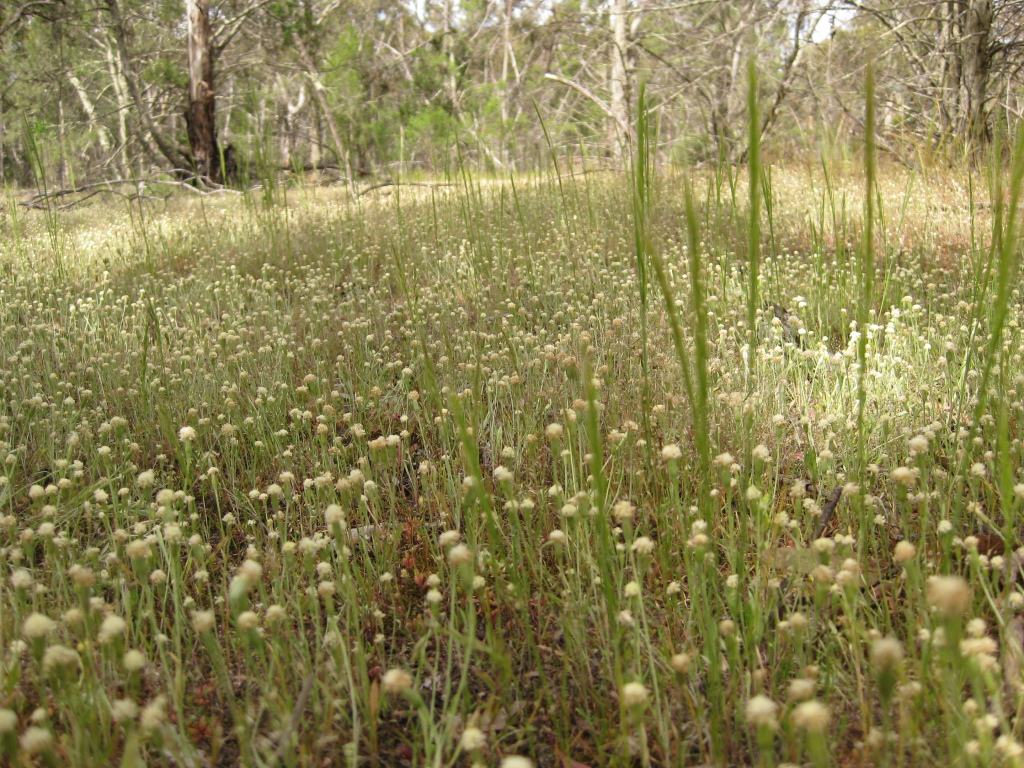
(903, 551)
(460, 554)
(811, 716)
(113, 626)
(154, 714)
(680, 662)
(8, 721)
(671, 452)
(134, 660)
(123, 710)
(886, 654)
(37, 626)
(904, 476)
(643, 545)
(473, 739)
(203, 621)
(36, 741)
(634, 694)
(276, 614)
(448, 538)
(396, 680)
(949, 595)
(58, 657)
(761, 712)
(334, 514)
(800, 689)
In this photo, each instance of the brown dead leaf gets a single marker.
(1012, 653)
(374, 698)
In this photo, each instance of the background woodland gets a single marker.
(98, 90)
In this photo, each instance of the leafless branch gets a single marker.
(626, 129)
(24, 10)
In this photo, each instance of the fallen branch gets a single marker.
(184, 184)
(293, 721)
(200, 185)
(35, 203)
(40, 194)
(827, 510)
(404, 184)
(826, 515)
(310, 167)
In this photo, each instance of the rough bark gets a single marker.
(952, 47)
(619, 85)
(200, 111)
(976, 60)
(950, 73)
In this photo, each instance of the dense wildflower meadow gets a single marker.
(551, 471)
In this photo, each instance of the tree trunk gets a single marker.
(317, 132)
(200, 111)
(448, 47)
(976, 60)
(121, 95)
(949, 80)
(506, 54)
(102, 134)
(127, 71)
(62, 164)
(619, 102)
(320, 91)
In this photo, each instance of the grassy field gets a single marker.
(558, 470)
